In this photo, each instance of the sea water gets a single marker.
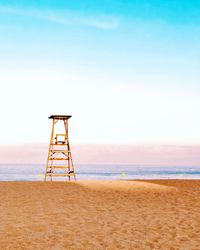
(31, 172)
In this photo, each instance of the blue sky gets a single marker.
(131, 66)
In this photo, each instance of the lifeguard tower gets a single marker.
(59, 160)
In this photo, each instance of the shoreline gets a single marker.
(96, 180)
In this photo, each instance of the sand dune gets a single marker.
(100, 215)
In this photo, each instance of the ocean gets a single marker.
(28, 172)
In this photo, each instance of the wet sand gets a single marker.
(100, 215)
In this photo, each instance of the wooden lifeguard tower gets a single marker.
(59, 150)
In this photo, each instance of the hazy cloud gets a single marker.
(155, 155)
(64, 17)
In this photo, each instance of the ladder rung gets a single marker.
(53, 144)
(58, 159)
(50, 174)
(59, 150)
(58, 167)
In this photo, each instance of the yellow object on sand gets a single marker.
(41, 175)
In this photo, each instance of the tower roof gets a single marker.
(60, 117)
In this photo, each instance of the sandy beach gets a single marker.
(100, 215)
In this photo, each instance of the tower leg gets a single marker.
(50, 149)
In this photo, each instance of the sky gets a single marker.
(127, 71)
